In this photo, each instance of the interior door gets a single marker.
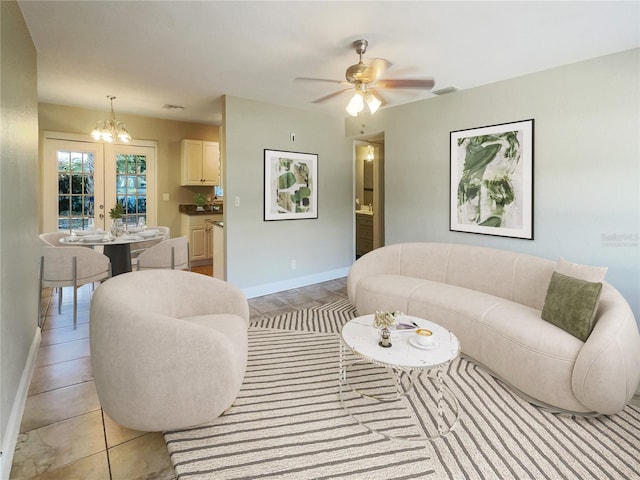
(83, 180)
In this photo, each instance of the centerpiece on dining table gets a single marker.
(115, 214)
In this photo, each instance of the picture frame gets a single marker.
(491, 182)
(290, 185)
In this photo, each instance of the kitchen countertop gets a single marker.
(191, 209)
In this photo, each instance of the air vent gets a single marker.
(446, 90)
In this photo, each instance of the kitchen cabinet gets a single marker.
(199, 163)
(364, 233)
(199, 230)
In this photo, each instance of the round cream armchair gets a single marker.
(168, 348)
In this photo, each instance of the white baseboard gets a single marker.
(10, 438)
(269, 288)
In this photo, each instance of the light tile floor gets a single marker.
(64, 433)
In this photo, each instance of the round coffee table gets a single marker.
(404, 359)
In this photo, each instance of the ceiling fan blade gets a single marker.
(426, 83)
(325, 80)
(378, 67)
(331, 95)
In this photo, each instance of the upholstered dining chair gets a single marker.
(70, 266)
(164, 233)
(169, 254)
(52, 239)
(168, 348)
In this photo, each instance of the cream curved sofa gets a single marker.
(492, 300)
(168, 348)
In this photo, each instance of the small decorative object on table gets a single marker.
(384, 321)
(116, 214)
(199, 199)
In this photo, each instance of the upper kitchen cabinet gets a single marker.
(200, 163)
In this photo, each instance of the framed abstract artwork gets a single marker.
(290, 185)
(491, 188)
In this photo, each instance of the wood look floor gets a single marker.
(64, 433)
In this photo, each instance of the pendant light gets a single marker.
(111, 129)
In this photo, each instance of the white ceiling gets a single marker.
(152, 53)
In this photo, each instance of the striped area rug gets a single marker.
(288, 423)
(327, 318)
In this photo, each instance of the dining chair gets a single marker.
(70, 266)
(52, 239)
(164, 233)
(169, 254)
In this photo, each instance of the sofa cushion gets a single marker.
(583, 272)
(571, 304)
(386, 293)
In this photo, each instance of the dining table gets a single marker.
(117, 248)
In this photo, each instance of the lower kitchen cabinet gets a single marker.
(199, 231)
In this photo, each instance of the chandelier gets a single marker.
(111, 129)
(356, 104)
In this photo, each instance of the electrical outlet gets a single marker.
(166, 197)
(294, 265)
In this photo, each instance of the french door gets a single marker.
(83, 180)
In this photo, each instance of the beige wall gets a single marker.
(259, 253)
(18, 221)
(167, 134)
(586, 163)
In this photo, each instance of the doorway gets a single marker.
(369, 194)
(83, 179)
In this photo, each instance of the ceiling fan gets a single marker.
(364, 79)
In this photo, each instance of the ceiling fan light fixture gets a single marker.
(373, 103)
(356, 105)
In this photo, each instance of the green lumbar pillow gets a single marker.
(571, 304)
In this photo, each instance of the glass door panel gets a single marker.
(76, 194)
(72, 185)
(132, 174)
(131, 186)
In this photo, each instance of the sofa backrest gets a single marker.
(514, 276)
